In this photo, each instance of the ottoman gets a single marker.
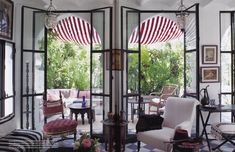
(223, 131)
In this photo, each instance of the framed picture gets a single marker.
(209, 54)
(6, 19)
(209, 74)
(116, 60)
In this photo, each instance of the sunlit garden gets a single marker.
(68, 66)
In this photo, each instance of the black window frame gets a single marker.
(3, 94)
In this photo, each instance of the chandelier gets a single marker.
(181, 16)
(50, 17)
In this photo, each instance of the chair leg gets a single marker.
(75, 136)
(138, 146)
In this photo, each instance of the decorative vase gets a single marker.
(83, 101)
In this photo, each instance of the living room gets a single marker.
(212, 30)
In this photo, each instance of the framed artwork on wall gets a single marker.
(210, 74)
(6, 19)
(209, 54)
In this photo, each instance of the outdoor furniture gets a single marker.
(179, 114)
(59, 127)
(160, 101)
(134, 106)
(223, 131)
(77, 108)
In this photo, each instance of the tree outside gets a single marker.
(68, 65)
(158, 68)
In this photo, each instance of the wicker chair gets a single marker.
(156, 103)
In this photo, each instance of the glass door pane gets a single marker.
(9, 54)
(9, 79)
(191, 49)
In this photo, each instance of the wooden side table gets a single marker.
(77, 108)
(115, 135)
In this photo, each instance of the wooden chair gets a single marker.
(58, 127)
(156, 103)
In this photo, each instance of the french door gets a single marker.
(130, 19)
(33, 61)
(101, 84)
(227, 61)
(34, 65)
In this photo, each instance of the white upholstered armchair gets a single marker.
(179, 113)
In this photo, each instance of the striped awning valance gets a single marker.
(156, 29)
(74, 29)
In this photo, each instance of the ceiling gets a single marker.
(90, 4)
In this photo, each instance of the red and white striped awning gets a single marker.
(156, 29)
(74, 29)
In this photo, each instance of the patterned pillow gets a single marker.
(52, 96)
(82, 93)
(73, 93)
(66, 93)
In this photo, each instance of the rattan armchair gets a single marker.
(156, 103)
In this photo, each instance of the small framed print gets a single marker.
(209, 54)
(210, 74)
(6, 19)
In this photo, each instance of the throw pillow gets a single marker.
(149, 122)
(73, 93)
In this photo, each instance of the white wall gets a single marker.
(15, 122)
(209, 35)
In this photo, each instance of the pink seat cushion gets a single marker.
(60, 126)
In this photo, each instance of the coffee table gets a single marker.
(77, 108)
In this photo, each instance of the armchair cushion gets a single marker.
(149, 122)
(178, 111)
(158, 138)
(59, 126)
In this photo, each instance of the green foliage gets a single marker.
(68, 65)
(158, 68)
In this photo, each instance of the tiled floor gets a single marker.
(132, 147)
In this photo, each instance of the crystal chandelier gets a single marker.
(181, 16)
(50, 17)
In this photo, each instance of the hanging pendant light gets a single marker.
(51, 17)
(181, 16)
